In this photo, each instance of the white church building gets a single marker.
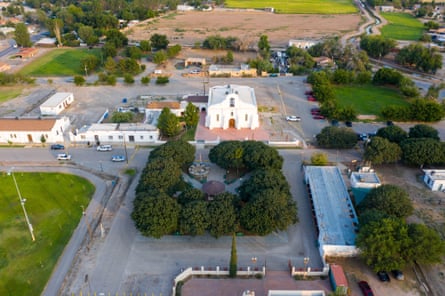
(232, 106)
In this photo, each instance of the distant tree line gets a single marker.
(165, 204)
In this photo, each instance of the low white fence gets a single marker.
(309, 272)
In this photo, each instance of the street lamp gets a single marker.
(22, 203)
(306, 262)
(254, 260)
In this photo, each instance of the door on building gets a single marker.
(30, 138)
(231, 123)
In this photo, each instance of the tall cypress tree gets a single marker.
(233, 259)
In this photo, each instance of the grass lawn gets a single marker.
(53, 203)
(368, 99)
(59, 62)
(402, 26)
(9, 92)
(297, 6)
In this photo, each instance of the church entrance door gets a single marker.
(231, 123)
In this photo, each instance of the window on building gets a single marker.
(120, 137)
(217, 117)
(232, 102)
(151, 137)
(246, 117)
(110, 137)
(231, 113)
(82, 137)
(141, 137)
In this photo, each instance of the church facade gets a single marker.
(232, 106)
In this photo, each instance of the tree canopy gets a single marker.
(21, 35)
(389, 199)
(380, 151)
(168, 123)
(269, 211)
(261, 180)
(191, 115)
(377, 46)
(337, 137)
(181, 152)
(223, 218)
(423, 131)
(392, 133)
(155, 214)
(422, 151)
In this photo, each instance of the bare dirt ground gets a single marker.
(186, 28)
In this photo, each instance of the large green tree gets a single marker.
(181, 152)
(190, 195)
(383, 244)
(168, 123)
(380, 151)
(159, 41)
(261, 180)
(377, 46)
(155, 214)
(159, 174)
(264, 47)
(194, 219)
(427, 247)
(259, 155)
(228, 155)
(392, 133)
(270, 210)
(21, 35)
(191, 115)
(222, 215)
(423, 131)
(336, 137)
(422, 151)
(389, 199)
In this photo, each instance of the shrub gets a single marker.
(145, 80)
(162, 80)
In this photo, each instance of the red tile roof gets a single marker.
(162, 105)
(23, 125)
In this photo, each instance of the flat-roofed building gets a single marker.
(116, 133)
(333, 213)
(434, 179)
(56, 103)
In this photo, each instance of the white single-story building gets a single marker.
(302, 43)
(364, 180)
(32, 130)
(435, 179)
(115, 133)
(56, 103)
(334, 215)
(232, 106)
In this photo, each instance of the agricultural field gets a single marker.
(402, 26)
(368, 99)
(53, 203)
(59, 62)
(298, 7)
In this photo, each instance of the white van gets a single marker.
(103, 148)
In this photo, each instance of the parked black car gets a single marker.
(383, 276)
(398, 274)
(57, 147)
(348, 123)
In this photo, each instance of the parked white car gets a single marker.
(293, 118)
(63, 156)
(118, 158)
(104, 148)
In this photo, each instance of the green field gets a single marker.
(10, 92)
(59, 62)
(53, 204)
(368, 99)
(298, 7)
(402, 26)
